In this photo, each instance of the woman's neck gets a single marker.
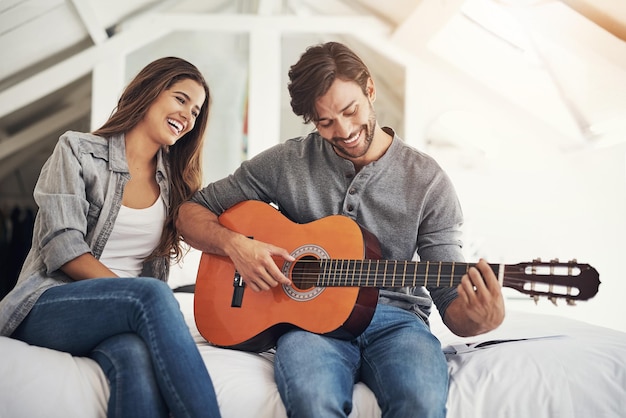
(140, 153)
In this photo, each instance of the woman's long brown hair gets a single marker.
(184, 159)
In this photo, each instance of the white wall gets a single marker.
(528, 193)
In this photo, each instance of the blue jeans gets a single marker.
(397, 357)
(134, 329)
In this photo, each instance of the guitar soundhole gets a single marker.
(305, 272)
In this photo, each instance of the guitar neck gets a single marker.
(554, 279)
(381, 273)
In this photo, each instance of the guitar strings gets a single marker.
(350, 273)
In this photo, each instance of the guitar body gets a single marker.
(255, 325)
(336, 275)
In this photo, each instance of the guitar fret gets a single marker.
(320, 272)
(331, 271)
(345, 264)
(359, 281)
(404, 274)
(354, 265)
(443, 273)
(395, 270)
(426, 274)
(464, 268)
(452, 274)
(338, 272)
(387, 270)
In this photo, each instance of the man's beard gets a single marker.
(368, 129)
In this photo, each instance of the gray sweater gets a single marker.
(405, 199)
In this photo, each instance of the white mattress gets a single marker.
(556, 367)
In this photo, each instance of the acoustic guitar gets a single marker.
(335, 276)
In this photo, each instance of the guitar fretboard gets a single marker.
(380, 273)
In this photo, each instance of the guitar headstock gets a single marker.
(556, 280)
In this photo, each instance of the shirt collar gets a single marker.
(117, 156)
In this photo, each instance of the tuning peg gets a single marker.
(554, 260)
(571, 302)
(553, 300)
(535, 298)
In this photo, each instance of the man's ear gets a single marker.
(371, 90)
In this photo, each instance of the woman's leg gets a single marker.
(126, 362)
(78, 316)
(403, 365)
(315, 374)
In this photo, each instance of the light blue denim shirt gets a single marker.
(404, 198)
(79, 194)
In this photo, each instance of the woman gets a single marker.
(107, 203)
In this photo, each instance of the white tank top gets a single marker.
(135, 235)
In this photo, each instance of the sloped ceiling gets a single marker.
(561, 62)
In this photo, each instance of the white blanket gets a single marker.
(552, 367)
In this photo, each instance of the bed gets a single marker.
(534, 365)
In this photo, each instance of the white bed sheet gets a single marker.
(557, 368)
(553, 367)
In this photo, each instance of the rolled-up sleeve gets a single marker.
(63, 207)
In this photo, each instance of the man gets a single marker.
(353, 167)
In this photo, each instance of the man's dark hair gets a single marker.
(316, 70)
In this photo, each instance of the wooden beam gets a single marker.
(269, 7)
(144, 31)
(428, 18)
(608, 14)
(35, 132)
(79, 65)
(23, 156)
(285, 23)
(574, 32)
(90, 20)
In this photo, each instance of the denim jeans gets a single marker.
(397, 357)
(134, 329)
